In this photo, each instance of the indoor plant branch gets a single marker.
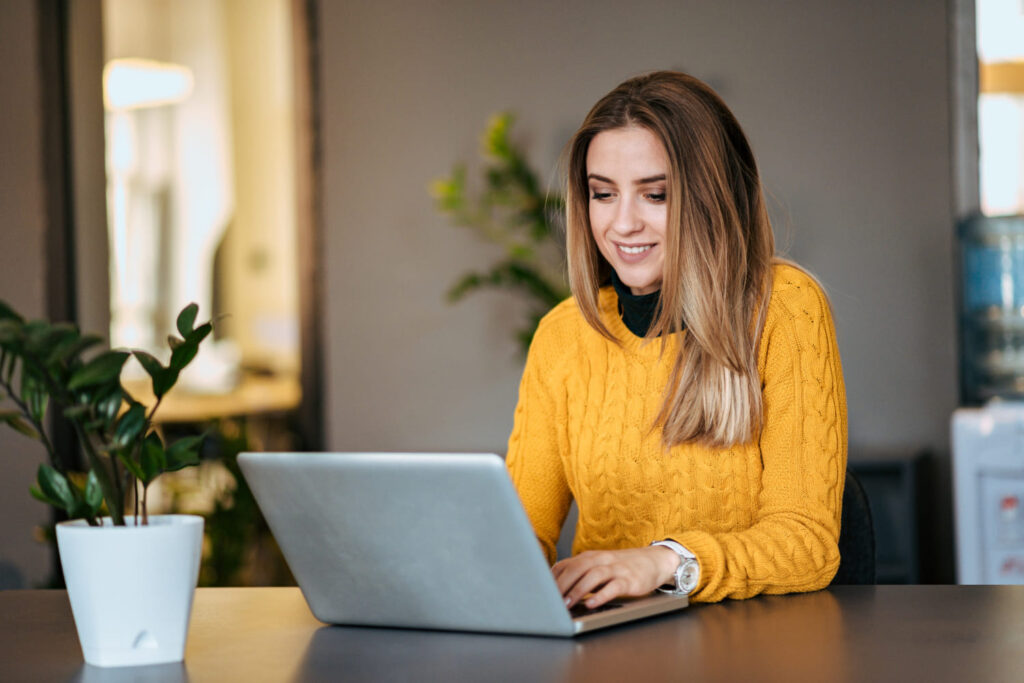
(115, 432)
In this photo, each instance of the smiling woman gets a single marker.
(711, 461)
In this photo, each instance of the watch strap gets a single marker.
(687, 574)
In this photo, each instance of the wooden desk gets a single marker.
(849, 633)
(255, 395)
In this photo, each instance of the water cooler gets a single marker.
(988, 433)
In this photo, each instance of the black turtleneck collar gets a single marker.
(637, 310)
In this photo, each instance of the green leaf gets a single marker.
(520, 251)
(187, 319)
(10, 331)
(18, 424)
(184, 452)
(185, 352)
(129, 426)
(495, 138)
(466, 284)
(99, 370)
(81, 510)
(76, 412)
(153, 459)
(55, 486)
(174, 342)
(8, 313)
(34, 394)
(42, 497)
(131, 465)
(72, 347)
(108, 403)
(450, 192)
(93, 493)
(47, 341)
(157, 372)
(8, 363)
(183, 355)
(200, 333)
(167, 381)
(36, 334)
(151, 365)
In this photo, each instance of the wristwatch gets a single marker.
(687, 574)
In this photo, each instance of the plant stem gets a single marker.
(145, 513)
(116, 478)
(138, 456)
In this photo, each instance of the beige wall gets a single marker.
(846, 105)
(22, 262)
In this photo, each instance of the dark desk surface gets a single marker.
(895, 633)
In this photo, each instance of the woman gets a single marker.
(690, 394)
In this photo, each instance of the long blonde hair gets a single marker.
(718, 260)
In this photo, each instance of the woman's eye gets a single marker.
(656, 196)
(594, 194)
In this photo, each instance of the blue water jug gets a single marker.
(992, 308)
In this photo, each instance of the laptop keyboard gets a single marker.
(580, 610)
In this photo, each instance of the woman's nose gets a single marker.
(626, 219)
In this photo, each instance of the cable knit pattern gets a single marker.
(762, 517)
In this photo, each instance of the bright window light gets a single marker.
(1000, 27)
(138, 83)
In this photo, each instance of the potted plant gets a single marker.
(514, 212)
(130, 577)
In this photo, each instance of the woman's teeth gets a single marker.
(635, 250)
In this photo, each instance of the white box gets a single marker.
(988, 488)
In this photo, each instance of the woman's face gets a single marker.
(626, 173)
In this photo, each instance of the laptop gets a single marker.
(419, 540)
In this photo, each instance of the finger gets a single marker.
(558, 567)
(582, 561)
(593, 579)
(569, 572)
(611, 590)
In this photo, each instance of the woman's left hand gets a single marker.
(609, 574)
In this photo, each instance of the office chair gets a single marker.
(856, 537)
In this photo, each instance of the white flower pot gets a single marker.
(131, 587)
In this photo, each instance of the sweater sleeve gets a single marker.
(539, 437)
(792, 545)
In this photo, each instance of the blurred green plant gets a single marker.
(241, 550)
(514, 212)
(43, 363)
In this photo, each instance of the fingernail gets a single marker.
(568, 601)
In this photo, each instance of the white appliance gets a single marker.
(988, 488)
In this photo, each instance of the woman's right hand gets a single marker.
(598, 576)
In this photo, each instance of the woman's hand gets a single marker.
(609, 574)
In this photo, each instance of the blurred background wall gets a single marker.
(847, 108)
(22, 272)
(846, 105)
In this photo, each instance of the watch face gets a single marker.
(688, 576)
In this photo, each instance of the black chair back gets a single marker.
(856, 537)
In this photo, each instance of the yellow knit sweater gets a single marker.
(761, 516)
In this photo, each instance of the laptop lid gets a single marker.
(416, 540)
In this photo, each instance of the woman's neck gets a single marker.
(637, 310)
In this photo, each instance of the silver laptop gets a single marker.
(418, 540)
